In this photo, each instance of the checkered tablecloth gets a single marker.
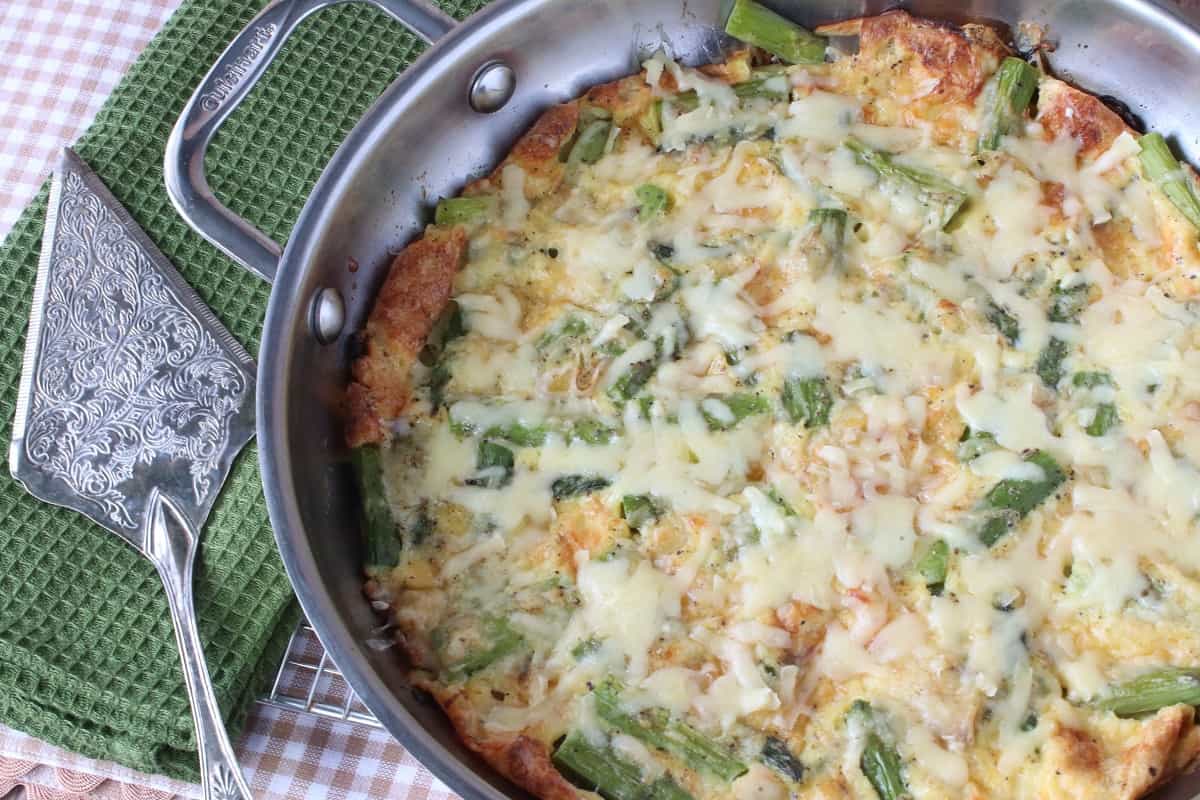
(284, 755)
(61, 58)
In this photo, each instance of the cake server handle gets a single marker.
(171, 543)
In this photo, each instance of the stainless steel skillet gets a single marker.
(448, 118)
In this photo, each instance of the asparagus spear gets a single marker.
(700, 752)
(657, 729)
(630, 384)
(1105, 419)
(662, 251)
(1009, 94)
(591, 431)
(448, 328)
(1005, 322)
(776, 755)
(439, 378)
(1025, 495)
(611, 776)
(463, 210)
(667, 280)
(973, 444)
(772, 86)
(521, 434)
(585, 648)
(882, 766)
(606, 697)
(574, 485)
(518, 433)
(1049, 365)
(879, 762)
(665, 788)
(683, 102)
(650, 121)
(570, 328)
(501, 640)
(422, 526)
(934, 565)
(599, 768)
(739, 405)
(1171, 177)
(784, 506)
(639, 510)
(589, 145)
(1067, 303)
(1091, 380)
(807, 400)
(1011, 500)
(932, 190)
(645, 404)
(829, 224)
(760, 26)
(653, 201)
(379, 527)
(494, 463)
(1152, 691)
(746, 404)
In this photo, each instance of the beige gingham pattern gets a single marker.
(59, 59)
(291, 755)
(285, 754)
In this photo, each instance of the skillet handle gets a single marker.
(225, 85)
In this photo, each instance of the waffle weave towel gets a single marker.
(87, 654)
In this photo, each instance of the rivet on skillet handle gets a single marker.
(225, 85)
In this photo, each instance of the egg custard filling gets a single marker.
(809, 425)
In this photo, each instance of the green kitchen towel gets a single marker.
(87, 654)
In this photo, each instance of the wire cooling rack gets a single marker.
(309, 682)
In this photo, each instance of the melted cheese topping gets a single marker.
(729, 452)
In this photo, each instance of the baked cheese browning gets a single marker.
(534, 160)
(912, 71)
(414, 293)
(770, 431)
(1067, 112)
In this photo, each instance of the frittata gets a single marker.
(813, 424)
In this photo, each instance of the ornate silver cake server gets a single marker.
(133, 402)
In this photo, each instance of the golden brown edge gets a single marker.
(1078, 759)
(957, 61)
(418, 286)
(939, 44)
(1065, 110)
(522, 759)
(1168, 746)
